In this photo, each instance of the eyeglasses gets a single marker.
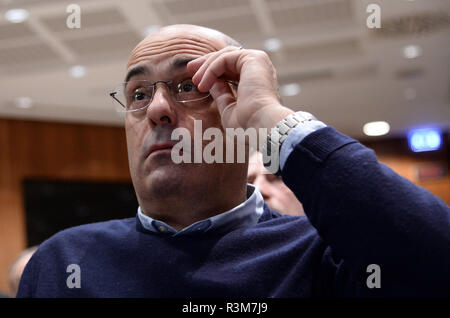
(137, 95)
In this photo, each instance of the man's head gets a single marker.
(163, 56)
(275, 193)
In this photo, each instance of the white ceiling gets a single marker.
(349, 74)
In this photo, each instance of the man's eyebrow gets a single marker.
(175, 65)
(180, 63)
(138, 70)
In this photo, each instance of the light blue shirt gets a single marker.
(248, 212)
(295, 136)
(245, 214)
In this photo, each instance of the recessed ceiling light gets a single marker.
(23, 102)
(290, 89)
(16, 15)
(412, 51)
(376, 128)
(151, 29)
(273, 44)
(77, 71)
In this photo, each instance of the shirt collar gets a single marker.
(245, 214)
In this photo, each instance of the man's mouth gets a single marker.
(160, 147)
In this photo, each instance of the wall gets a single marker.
(83, 152)
(50, 150)
(396, 154)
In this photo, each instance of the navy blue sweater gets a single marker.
(359, 213)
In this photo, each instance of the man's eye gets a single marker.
(139, 96)
(186, 86)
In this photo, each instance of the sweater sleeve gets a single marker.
(367, 214)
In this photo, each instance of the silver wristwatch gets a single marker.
(278, 135)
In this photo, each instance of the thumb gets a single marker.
(222, 95)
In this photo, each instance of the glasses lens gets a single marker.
(134, 95)
(137, 94)
(186, 91)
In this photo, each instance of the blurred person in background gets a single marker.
(17, 267)
(202, 231)
(4, 295)
(275, 193)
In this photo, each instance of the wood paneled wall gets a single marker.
(50, 150)
(84, 152)
(396, 154)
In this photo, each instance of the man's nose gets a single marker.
(161, 110)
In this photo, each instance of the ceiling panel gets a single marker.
(18, 3)
(177, 7)
(15, 30)
(287, 14)
(413, 25)
(26, 54)
(123, 42)
(321, 51)
(306, 76)
(235, 26)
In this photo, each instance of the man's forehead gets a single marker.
(171, 66)
(161, 46)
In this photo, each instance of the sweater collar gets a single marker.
(245, 214)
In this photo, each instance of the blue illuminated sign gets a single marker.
(427, 139)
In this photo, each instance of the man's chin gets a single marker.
(165, 178)
(158, 162)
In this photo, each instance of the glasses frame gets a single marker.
(168, 84)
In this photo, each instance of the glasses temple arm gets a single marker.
(113, 95)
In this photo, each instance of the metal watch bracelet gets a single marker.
(278, 135)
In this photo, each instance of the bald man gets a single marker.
(202, 231)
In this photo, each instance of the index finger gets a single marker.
(194, 65)
(226, 65)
